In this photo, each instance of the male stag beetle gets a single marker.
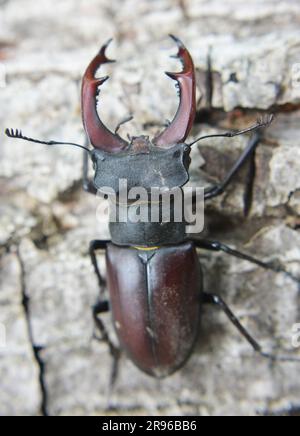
(154, 275)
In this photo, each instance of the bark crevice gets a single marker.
(36, 349)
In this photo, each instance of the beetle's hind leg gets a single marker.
(102, 306)
(219, 302)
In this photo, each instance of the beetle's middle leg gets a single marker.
(102, 306)
(219, 302)
(218, 246)
(94, 246)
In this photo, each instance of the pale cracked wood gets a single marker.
(255, 52)
(19, 373)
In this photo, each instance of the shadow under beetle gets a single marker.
(154, 276)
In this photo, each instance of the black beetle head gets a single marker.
(142, 165)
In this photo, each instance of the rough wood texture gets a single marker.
(50, 363)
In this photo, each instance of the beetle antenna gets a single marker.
(17, 134)
(261, 123)
(126, 120)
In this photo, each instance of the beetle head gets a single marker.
(142, 164)
(160, 162)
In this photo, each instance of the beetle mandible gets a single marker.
(154, 275)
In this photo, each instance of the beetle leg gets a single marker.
(219, 189)
(87, 183)
(102, 306)
(94, 246)
(249, 183)
(218, 301)
(218, 246)
(209, 82)
(251, 172)
(98, 308)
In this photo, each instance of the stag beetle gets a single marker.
(154, 275)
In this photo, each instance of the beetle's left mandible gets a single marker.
(99, 135)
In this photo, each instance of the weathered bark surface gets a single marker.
(50, 362)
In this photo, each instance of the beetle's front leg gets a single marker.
(219, 189)
(87, 183)
(219, 302)
(102, 306)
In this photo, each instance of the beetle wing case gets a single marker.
(155, 302)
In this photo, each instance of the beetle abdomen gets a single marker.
(155, 302)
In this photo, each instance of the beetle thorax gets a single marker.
(142, 165)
